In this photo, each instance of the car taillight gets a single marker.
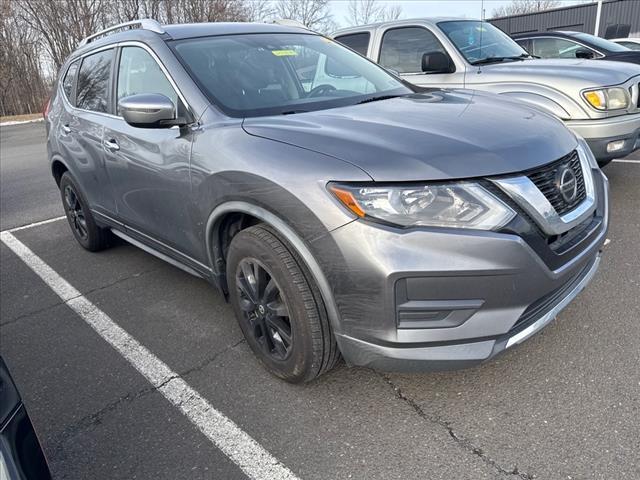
(47, 108)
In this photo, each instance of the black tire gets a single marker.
(604, 163)
(308, 347)
(83, 226)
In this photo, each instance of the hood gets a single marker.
(437, 135)
(632, 56)
(572, 74)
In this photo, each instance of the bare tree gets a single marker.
(519, 7)
(369, 11)
(22, 84)
(314, 14)
(36, 36)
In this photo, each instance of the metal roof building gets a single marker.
(608, 19)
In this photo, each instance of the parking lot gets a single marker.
(564, 405)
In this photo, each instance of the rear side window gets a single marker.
(356, 41)
(140, 73)
(92, 91)
(557, 48)
(402, 48)
(69, 79)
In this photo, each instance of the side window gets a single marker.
(140, 73)
(92, 91)
(557, 48)
(68, 81)
(356, 41)
(402, 48)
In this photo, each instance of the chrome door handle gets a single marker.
(111, 145)
(66, 129)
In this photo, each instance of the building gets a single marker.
(607, 18)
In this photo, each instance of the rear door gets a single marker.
(82, 129)
(149, 167)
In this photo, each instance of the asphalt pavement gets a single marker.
(563, 405)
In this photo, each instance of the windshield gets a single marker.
(269, 74)
(480, 41)
(600, 43)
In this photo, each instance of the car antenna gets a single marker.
(481, 30)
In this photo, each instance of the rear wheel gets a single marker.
(81, 221)
(278, 307)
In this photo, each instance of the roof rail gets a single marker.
(144, 24)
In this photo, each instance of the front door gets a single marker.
(149, 167)
(402, 50)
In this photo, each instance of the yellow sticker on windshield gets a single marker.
(284, 53)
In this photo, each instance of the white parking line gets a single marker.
(626, 161)
(36, 224)
(234, 442)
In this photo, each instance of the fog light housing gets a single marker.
(615, 146)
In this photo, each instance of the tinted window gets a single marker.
(629, 45)
(92, 92)
(557, 48)
(356, 41)
(266, 74)
(402, 48)
(140, 73)
(67, 84)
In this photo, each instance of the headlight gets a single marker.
(607, 98)
(457, 205)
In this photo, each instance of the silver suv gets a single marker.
(600, 101)
(402, 227)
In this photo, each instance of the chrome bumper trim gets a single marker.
(549, 316)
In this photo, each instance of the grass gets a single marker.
(20, 118)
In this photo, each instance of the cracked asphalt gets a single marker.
(564, 405)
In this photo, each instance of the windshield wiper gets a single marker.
(484, 61)
(292, 112)
(378, 98)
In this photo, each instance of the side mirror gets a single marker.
(584, 53)
(437, 62)
(149, 110)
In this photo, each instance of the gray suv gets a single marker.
(398, 226)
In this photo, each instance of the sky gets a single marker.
(435, 8)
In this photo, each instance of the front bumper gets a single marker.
(600, 133)
(442, 299)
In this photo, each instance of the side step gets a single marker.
(156, 253)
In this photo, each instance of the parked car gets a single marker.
(630, 43)
(575, 45)
(401, 227)
(598, 101)
(21, 457)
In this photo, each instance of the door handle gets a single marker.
(66, 129)
(111, 145)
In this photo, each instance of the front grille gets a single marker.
(545, 178)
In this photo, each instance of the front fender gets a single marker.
(287, 233)
(542, 97)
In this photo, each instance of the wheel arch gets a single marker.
(216, 254)
(58, 168)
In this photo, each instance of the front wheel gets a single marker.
(279, 309)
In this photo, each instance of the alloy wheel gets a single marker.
(75, 213)
(264, 309)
